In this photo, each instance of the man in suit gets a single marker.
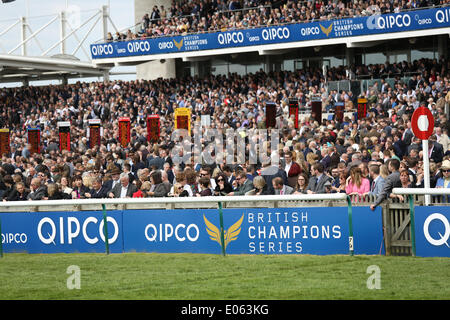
(280, 188)
(377, 181)
(98, 191)
(115, 175)
(392, 181)
(435, 150)
(317, 182)
(124, 189)
(38, 190)
(244, 185)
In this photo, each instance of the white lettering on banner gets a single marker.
(164, 232)
(165, 45)
(388, 22)
(276, 33)
(100, 49)
(230, 37)
(442, 15)
(266, 238)
(444, 237)
(310, 31)
(73, 228)
(136, 47)
(9, 238)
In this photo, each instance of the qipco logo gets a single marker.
(276, 33)
(310, 31)
(443, 236)
(102, 49)
(443, 15)
(70, 228)
(383, 22)
(138, 47)
(230, 37)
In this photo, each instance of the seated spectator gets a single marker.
(98, 189)
(54, 193)
(205, 184)
(280, 188)
(302, 184)
(143, 189)
(79, 189)
(9, 183)
(124, 189)
(223, 187)
(38, 190)
(157, 188)
(244, 185)
(65, 185)
(260, 186)
(20, 193)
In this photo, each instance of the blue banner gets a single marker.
(331, 29)
(254, 231)
(60, 232)
(432, 230)
(247, 231)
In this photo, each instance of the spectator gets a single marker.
(292, 169)
(302, 184)
(260, 187)
(317, 181)
(444, 181)
(205, 184)
(38, 190)
(123, 190)
(280, 188)
(356, 183)
(158, 189)
(54, 193)
(244, 185)
(98, 190)
(19, 194)
(377, 181)
(79, 189)
(223, 187)
(392, 181)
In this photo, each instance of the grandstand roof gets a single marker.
(14, 68)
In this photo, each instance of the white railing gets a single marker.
(422, 191)
(174, 200)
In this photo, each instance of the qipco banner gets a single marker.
(254, 231)
(432, 230)
(331, 29)
(61, 232)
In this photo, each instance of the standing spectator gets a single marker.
(392, 181)
(292, 169)
(356, 183)
(444, 181)
(317, 181)
(377, 181)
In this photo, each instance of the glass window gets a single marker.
(374, 58)
(419, 54)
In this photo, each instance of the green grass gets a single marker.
(199, 277)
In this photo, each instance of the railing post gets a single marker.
(412, 223)
(350, 226)
(222, 235)
(105, 228)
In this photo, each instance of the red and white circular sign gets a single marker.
(422, 123)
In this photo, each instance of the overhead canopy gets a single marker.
(14, 68)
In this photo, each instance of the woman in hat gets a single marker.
(444, 181)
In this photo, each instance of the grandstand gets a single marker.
(337, 81)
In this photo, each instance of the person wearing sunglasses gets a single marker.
(223, 187)
(444, 181)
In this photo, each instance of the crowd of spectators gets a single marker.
(359, 157)
(195, 16)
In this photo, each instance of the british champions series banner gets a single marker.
(331, 29)
(246, 231)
